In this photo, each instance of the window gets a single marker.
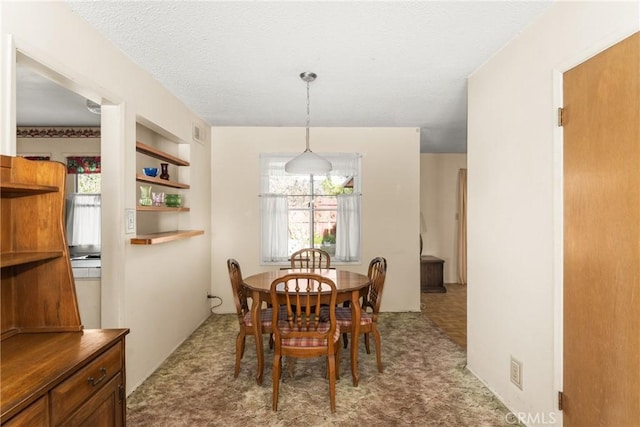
(300, 211)
(88, 183)
(85, 172)
(83, 207)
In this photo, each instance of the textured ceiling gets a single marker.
(378, 63)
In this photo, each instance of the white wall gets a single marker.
(159, 291)
(58, 148)
(390, 201)
(439, 208)
(514, 198)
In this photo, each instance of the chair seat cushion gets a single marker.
(266, 317)
(306, 341)
(343, 317)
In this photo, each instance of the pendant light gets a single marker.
(308, 162)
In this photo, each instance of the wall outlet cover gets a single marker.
(130, 221)
(515, 372)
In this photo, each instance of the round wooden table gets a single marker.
(350, 287)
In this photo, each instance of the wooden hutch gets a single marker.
(52, 371)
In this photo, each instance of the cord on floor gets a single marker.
(217, 305)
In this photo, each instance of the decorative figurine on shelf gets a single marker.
(152, 172)
(145, 195)
(173, 200)
(165, 171)
(158, 199)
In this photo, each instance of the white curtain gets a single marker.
(275, 228)
(83, 219)
(348, 227)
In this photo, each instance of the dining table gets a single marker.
(350, 286)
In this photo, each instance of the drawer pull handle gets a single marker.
(94, 382)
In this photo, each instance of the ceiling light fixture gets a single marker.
(93, 107)
(308, 162)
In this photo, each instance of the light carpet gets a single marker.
(424, 383)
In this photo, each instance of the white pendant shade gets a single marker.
(308, 163)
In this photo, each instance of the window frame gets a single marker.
(275, 161)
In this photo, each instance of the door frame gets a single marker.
(111, 151)
(558, 239)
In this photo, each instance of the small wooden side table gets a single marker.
(431, 276)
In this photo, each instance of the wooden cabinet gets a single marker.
(162, 236)
(52, 372)
(36, 414)
(431, 274)
(69, 395)
(103, 408)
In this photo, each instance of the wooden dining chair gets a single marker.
(310, 258)
(244, 312)
(304, 333)
(370, 307)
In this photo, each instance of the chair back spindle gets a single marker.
(310, 258)
(377, 274)
(239, 292)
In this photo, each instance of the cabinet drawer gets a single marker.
(36, 414)
(105, 408)
(66, 397)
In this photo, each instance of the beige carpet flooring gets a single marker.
(424, 383)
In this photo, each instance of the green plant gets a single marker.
(329, 236)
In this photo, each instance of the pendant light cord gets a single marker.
(308, 149)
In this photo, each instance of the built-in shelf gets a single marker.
(9, 259)
(160, 155)
(167, 236)
(161, 209)
(159, 181)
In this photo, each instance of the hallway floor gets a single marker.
(449, 311)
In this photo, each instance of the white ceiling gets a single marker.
(379, 63)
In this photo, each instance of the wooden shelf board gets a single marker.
(8, 259)
(167, 236)
(12, 189)
(161, 209)
(158, 181)
(160, 155)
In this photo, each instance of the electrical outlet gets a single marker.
(515, 372)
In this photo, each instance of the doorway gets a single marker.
(55, 123)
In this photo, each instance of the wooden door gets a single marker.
(602, 239)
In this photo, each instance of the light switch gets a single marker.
(130, 221)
